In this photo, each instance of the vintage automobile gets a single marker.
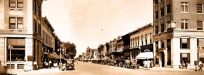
(69, 65)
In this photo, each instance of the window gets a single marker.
(12, 3)
(185, 57)
(16, 23)
(142, 40)
(162, 12)
(20, 22)
(184, 23)
(162, 27)
(168, 7)
(199, 25)
(156, 30)
(145, 39)
(150, 38)
(185, 43)
(20, 4)
(156, 1)
(184, 6)
(12, 23)
(16, 3)
(156, 15)
(162, 44)
(18, 50)
(200, 8)
(200, 42)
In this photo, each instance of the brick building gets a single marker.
(178, 31)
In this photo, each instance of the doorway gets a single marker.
(162, 59)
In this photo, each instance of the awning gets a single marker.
(53, 56)
(201, 55)
(145, 55)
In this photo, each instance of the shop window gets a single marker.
(185, 57)
(17, 50)
(185, 43)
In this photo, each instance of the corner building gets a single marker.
(20, 28)
(178, 32)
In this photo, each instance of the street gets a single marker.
(88, 68)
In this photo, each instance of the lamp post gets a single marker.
(10, 47)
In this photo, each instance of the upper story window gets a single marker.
(185, 43)
(168, 8)
(162, 44)
(184, 7)
(199, 25)
(162, 27)
(156, 29)
(156, 1)
(184, 23)
(145, 39)
(20, 3)
(200, 8)
(16, 23)
(16, 3)
(156, 15)
(162, 12)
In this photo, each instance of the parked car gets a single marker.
(69, 65)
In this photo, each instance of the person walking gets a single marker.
(200, 66)
(36, 65)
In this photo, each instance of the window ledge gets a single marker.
(199, 13)
(184, 12)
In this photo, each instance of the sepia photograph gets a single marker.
(101, 37)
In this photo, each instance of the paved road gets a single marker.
(96, 69)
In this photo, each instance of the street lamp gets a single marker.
(10, 47)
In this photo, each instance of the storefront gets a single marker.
(146, 53)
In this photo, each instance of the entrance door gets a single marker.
(162, 58)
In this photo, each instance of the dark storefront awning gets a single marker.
(53, 56)
(116, 53)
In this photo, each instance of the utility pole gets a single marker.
(10, 47)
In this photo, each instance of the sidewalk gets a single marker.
(168, 69)
(44, 70)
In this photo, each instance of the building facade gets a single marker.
(48, 42)
(20, 22)
(141, 40)
(178, 31)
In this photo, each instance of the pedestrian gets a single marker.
(200, 66)
(50, 62)
(151, 64)
(35, 65)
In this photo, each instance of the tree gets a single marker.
(70, 49)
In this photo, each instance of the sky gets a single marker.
(88, 23)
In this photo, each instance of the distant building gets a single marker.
(178, 32)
